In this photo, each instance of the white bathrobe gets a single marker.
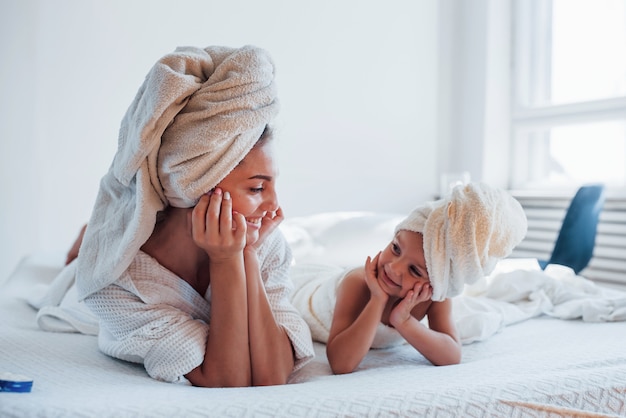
(151, 316)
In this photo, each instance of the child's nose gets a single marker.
(395, 269)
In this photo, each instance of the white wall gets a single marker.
(474, 89)
(357, 79)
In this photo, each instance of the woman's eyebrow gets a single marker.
(261, 177)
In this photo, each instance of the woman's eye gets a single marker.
(256, 189)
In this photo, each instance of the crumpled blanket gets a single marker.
(518, 290)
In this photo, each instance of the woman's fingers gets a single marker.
(198, 219)
(239, 226)
(278, 215)
(226, 215)
(215, 227)
(213, 214)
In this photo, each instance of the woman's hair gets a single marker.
(266, 135)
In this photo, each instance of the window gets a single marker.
(569, 94)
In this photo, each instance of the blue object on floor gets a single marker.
(577, 237)
(11, 382)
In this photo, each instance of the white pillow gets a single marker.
(339, 238)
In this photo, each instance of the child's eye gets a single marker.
(395, 248)
(415, 271)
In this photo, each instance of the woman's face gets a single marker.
(252, 187)
(402, 265)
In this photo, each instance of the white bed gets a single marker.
(540, 366)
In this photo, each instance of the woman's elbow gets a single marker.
(198, 377)
(271, 380)
(273, 373)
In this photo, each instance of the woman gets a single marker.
(181, 260)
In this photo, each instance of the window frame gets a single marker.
(530, 81)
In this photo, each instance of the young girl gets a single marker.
(182, 261)
(436, 250)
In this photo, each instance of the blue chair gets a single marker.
(577, 236)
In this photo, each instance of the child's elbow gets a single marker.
(339, 362)
(341, 367)
(452, 359)
(450, 362)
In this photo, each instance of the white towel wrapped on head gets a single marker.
(466, 234)
(196, 116)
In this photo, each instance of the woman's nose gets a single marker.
(270, 202)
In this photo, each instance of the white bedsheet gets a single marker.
(539, 367)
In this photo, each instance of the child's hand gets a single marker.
(215, 228)
(270, 222)
(371, 278)
(421, 292)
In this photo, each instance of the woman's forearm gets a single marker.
(227, 357)
(271, 352)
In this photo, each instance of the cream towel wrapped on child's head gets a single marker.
(196, 116)
(466, 234)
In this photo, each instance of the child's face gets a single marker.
(252, 186)
(402, 265)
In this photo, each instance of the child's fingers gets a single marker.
(370, 267)
(429, 292)
(423, 291)
(371, 264)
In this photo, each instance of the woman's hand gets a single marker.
(215, 228)
(371, 278)
(421, 292)
(269, 223)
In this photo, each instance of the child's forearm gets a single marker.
(439, 348)
(348, 348)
